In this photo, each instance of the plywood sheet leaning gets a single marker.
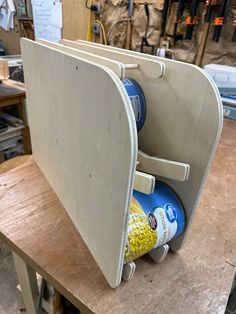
(4, 70)
(151, 69)
(84, 140)
(183, 123)
(117, 67)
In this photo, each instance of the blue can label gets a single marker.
(165, 221)
(170, 212)
(135, 101)
(127, 82)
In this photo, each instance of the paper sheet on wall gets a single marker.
(7, 11)
(47, 17)
(36, 2)
(56, 16)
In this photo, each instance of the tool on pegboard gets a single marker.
(129, 23)
(209, 4)
(234, 34)
(192, 19)
(164, 16)
(145, 42)
(220, 20)
(94, 7)
(178, 19)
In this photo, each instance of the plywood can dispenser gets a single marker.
(92, 160)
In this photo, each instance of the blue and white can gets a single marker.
(154, 220)
(164, 211)
(137, 99)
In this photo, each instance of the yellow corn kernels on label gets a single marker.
(141, 238)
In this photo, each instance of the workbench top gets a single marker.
(11, 89)
(196, 280)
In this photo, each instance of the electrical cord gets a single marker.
(91, 7)
(148, 18)
(89, 29)
(114, 25)
(86, 5)
(103, 31)
(144, 42)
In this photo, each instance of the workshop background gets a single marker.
(157, 23)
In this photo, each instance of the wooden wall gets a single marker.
(75, 19)
(11, 39)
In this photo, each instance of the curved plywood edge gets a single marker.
(153, 69)
(117, 67)
(85, 144)
(184, 122)
(130, 52)
(214, 117)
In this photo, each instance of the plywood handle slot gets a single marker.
(163, 167)
(144, 182)
(131, 66)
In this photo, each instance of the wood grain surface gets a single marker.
(15, 84)
(8, 89)
(177, 125)
(85, 144)
(13, 163)
(196, 280)
(117, 67)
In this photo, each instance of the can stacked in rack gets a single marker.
(154, 220)
(137, 99)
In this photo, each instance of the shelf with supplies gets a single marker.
(14, 132)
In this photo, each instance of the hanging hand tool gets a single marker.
(145, 42)
(220, 20)
(192, 19)
(205, 30)
(129, 26)
(234, 24)
(210, 4)
(164, 16)
(179, 14)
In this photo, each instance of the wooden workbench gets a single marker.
(196, 280)
(13, 93)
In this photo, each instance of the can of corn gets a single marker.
(154, 220)
(137, 99)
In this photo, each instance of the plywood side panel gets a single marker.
(183, 122)
(117, 67)
(84, 140)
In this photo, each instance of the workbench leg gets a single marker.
(57, 305)
(28, 283)
(25, 131)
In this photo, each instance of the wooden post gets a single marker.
(57, 305)
(28, 283)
